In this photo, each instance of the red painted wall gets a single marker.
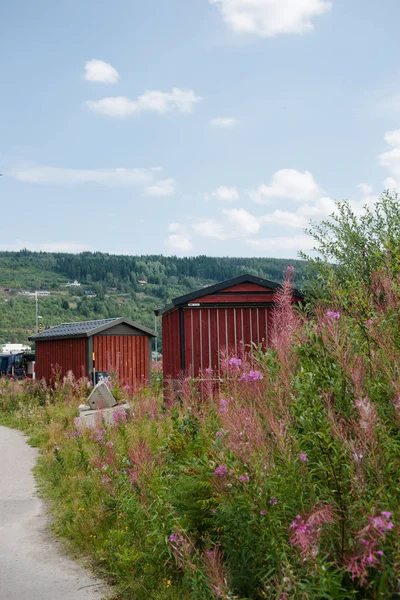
(210, 331)
(126, 355)
(61, 355)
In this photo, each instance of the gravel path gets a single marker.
(32, 567)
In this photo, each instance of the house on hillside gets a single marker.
(198, 326)
(91, 348)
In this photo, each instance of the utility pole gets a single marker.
(37, 319)
(155, 329)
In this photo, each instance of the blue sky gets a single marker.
(192, 127)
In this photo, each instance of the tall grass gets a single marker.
(283, 484)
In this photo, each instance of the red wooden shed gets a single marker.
(92, 347)
(198, 326)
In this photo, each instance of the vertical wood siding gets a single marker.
(61, 356)
(128, 356)
(212, 331)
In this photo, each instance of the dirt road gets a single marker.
(32, 567)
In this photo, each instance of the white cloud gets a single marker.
(72, 247)
(392, 138)
(210, 228)
(100, 72)
(225, 122)
(223, 193)
(282, 243)
(54, 175)
(244, 222)
(271, 17)
(233, 223)
(166, 187)
(365, 188)
(390, 159)
(290, 184)
(300, 218)
(179, 244)
(151, 101)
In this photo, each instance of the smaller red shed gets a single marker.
(198, 326)
(89, 347)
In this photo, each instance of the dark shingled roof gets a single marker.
(87, 329)
(218, 287)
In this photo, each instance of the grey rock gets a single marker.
(101, 397)
(103, 417)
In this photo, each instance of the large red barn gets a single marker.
(198, 326)
(92, 347)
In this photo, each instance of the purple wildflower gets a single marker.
(386, 514)
(235, 362)
(221, 471)
(333, 315)
(368, 553)
(273, 500)
(244, 478)
(119, 416)
(303, 457)
(175, 538)
(109, 444)
(223, 405)
(252, 376)
(262, 513)
(219, 434)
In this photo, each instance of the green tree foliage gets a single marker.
(351, 249)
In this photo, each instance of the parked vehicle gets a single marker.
(17, 366)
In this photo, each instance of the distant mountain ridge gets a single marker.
(110, 285)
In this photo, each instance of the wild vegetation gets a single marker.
(282, 483)
(119, 286)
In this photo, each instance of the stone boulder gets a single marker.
(101, 397)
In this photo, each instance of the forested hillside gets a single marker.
(110, 285)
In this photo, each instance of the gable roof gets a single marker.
(87, 329)
(218, 287)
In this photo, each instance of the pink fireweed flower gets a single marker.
(367, 555)
(119, 417)
(244, 478)
(223, 406)
(306, 530)
(331, 314)
(303, 457)
(221, 471)
(252, 376)
(234, 362)
(175, 538)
